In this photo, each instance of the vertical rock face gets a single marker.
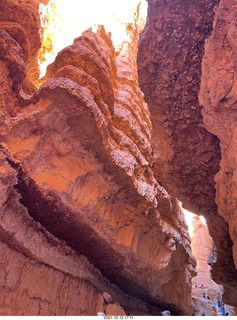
(187, 150)
(22, 22)
(81, 206)
(218, 95)
(169, 65)
(201, 246)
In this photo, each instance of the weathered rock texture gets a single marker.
(201, 247)
(188, 150)
(21, 20)
(218, 95)
(40, 274)
(81, 207)
(203, 306)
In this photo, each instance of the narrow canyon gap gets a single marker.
(90, 173)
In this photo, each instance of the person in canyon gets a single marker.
(165, 313)
(222, 309)
(218, 303)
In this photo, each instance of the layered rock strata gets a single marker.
(22, 21)
(78, 189)
(188, 150)
(40, 274)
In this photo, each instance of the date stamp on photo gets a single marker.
(119, 317)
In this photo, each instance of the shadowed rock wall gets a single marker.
(218, 95)
(172, 65)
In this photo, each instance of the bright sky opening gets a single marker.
(68, 19)
(189, 216)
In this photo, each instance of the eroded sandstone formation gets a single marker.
(190, 87)
(201, 246)
(82, 214)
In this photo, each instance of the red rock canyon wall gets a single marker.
(218, 95)
(201, 247)
(186, 68)
(81, 210)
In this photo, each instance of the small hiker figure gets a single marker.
(203, 314)
(219, 304)
(165, 313)
(222, 309)
(204, 295)
(201, 286)
(196, 286)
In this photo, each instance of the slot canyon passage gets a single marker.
(94, 162)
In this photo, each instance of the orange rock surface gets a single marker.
(21, 20)
(186, 68)
(40, 274)
(201, 247)
(81, 207)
